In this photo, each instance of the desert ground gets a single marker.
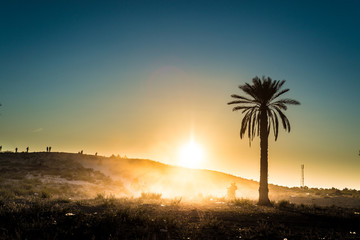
(78, 196)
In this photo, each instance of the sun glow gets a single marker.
(191, 155)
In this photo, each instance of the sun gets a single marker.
(191, 155)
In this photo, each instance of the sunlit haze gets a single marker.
(134, 78)
(191, 155)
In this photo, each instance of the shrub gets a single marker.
(242, 202)
(6, 193)
(99, 196)
(285, 204)
(175, 201)
(45, 194)
(152, 196)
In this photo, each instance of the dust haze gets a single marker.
(86, 176)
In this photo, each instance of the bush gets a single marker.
(175, 201)
(151, 196)
(285, 204)
(6, 193)
(242, 202)
(45, 194)
(99, 196)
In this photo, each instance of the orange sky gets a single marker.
(140, 78)
(163, 117)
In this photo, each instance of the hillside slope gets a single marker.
(82, 176)
(86, 175)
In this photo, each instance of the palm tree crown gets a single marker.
(264, 94)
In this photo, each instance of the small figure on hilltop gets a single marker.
(0, 148)
(95, 153)
(49, 149)
(27, 150)
(16, 150)
(231, 191)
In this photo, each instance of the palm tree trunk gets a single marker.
(263, 189)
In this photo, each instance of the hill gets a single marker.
(78, 176)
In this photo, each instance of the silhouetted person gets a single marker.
(95, 153)
(81, 152)
(0, 148)
(27, 149)
(16, 150)
(49, 149)
(231, 191)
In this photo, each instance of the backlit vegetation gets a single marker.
(73, 196)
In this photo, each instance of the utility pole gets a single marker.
(302, 183)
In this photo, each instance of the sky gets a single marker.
(142, 78)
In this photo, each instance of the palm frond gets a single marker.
(241, 97)
(280, 93)
(281, 83)
(287, 101)
(284, 119)
(238, 102)
(248, 89)
(248, 108)
(253, 127)
(280, 105)
(263, 93)
(275, 123)
(244, 123)
(238, 108)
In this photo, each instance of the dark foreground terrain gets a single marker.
(151, 217)
(78, 196)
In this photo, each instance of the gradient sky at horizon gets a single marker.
(140, 78)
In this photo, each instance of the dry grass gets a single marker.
(138, 218)
(47, 196)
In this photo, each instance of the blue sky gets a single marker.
(120, 76)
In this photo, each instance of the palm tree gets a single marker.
(262, 110)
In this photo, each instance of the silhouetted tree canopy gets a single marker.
(263, 95)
